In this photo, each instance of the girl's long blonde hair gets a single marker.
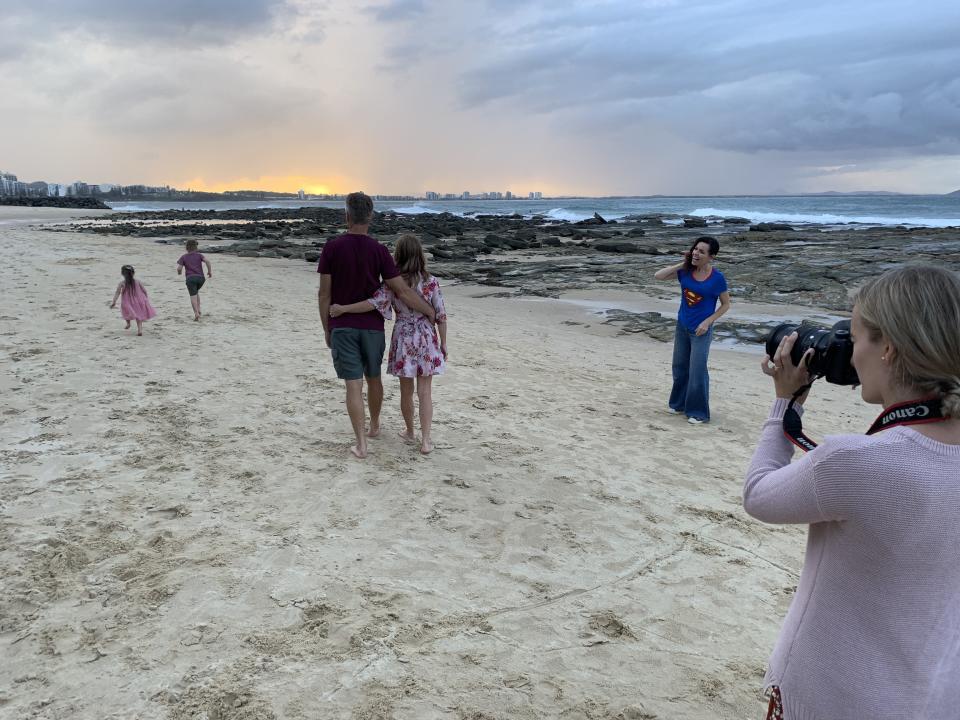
(411, 262)
(915, 308)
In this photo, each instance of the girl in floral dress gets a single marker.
(134, 303)
(417, 350)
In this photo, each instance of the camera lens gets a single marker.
(816, 338)
(832, 350)
(775, 336)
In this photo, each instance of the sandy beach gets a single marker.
(185, 535)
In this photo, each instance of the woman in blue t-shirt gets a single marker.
(701, 287)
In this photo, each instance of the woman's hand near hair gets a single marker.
(787, 377)
(668, 272)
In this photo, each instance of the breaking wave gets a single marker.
(824, 218)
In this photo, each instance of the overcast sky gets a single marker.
(404, 96)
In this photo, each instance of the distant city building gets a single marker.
(509, 195)
(301, 195)
(450, 196)
(432, 195)
(465, 195)
(9, 185)
(536, 196)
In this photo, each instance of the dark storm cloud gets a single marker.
(744, 76)
(178, 66)
(397, 10)
(127, 22)
(11, 48)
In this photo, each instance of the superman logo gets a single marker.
(691, 297)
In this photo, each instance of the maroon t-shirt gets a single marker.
(357, 264)
(192, 263)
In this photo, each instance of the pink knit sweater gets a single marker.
(874, 628)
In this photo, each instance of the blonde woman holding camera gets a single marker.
(874, 628)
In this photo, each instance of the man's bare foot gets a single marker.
(358, 453)
(426, 448)
(139, 334)
(127, 326)
(407, 436)
(374, 430)
(196, 318)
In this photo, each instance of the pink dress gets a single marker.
(414, 345)
(134, 303)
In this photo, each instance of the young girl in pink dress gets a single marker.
(134, 303)
(417, 350)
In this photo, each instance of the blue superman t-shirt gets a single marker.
(698, 299)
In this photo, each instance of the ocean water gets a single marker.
(862, 210)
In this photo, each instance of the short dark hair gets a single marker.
(359, 208)
(191, 244)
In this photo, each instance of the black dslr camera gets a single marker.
(832, 350)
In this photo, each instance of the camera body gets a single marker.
(832, 350)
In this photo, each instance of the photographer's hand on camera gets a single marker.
(787, 377)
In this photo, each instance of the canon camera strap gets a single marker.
(913, 412)
(793, 426)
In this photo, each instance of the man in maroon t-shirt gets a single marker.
(351, 268)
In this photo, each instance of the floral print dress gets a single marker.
(414, 345)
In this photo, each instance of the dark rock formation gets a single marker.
(540, 256)
(79, 203)
(770, 227)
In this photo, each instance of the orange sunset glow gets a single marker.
(275, 183)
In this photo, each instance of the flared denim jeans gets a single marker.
(691, 383)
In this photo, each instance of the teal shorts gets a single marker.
(357, 353)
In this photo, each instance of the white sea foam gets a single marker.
(563, 214)
(574, 216)
(416, 210)
(133, 208)
(824, 218)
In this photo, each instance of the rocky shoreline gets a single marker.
(76, 203)
(813, 266)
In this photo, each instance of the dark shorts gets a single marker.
(194, 283)
(357, 353)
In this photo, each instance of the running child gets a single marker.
(193, 262)
(134, 303)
